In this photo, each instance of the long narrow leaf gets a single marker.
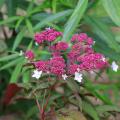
(29, 26)
(18, 39)
(16, 72)
(52, 18)
(75, 19)
(9, 20)
(107, 108)
(9, 57)
(102, 30)
(113, 9)
(12, 63)
(90, 110)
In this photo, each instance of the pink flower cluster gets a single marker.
(29, 55)
(82, 37)
(56, 65)
(66, 59)
(47, 35)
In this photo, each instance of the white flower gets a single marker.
(21, 53)
(103, 59)
(114, 66)
(94, 42)
(37, 74)
(91, 72)
(78, 77)
(78, 69)
(64, 76)
(48, 28)
(36, 44)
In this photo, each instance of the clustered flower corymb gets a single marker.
(66, 60)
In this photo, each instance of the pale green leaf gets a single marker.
(102, 30)
(74, 19)
(18, 39)
(107, 108)
(11, 63)
(29, 26)
(90, 110)
(52, 18)
(9, 57)
(113, 9)
(16, 72)
(9, 20)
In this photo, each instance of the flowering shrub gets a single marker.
(67, 59)
(63, 70)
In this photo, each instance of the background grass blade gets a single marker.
(52, 18)
(89, 109)
(107, 108)
(9, 57)
(113, 9)
(12, 63)
(9, 20)
(29, 26)
(75, 19)
(16, 72)
(100, 28)
(18, 39)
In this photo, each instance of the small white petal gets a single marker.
(114, 66)
(48, 28)
(94, 42)
(103, 59)
(37, 74)
(36, 44)
(64, 76)
(21, 53)
(78, 77)
(48, 72)
(91, 72)
(78, 69)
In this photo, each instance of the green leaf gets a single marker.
(11, 63)
(73, 85)
(9, 57)
(75, 19)
(9, 20)
(16, 72)
(93, 90)
(18, 39)
(19, 22)
(103, 32)
(113, 9)
(30, 28)
(107, 108)
(26, 77)
(52, 18)
(90, 110)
